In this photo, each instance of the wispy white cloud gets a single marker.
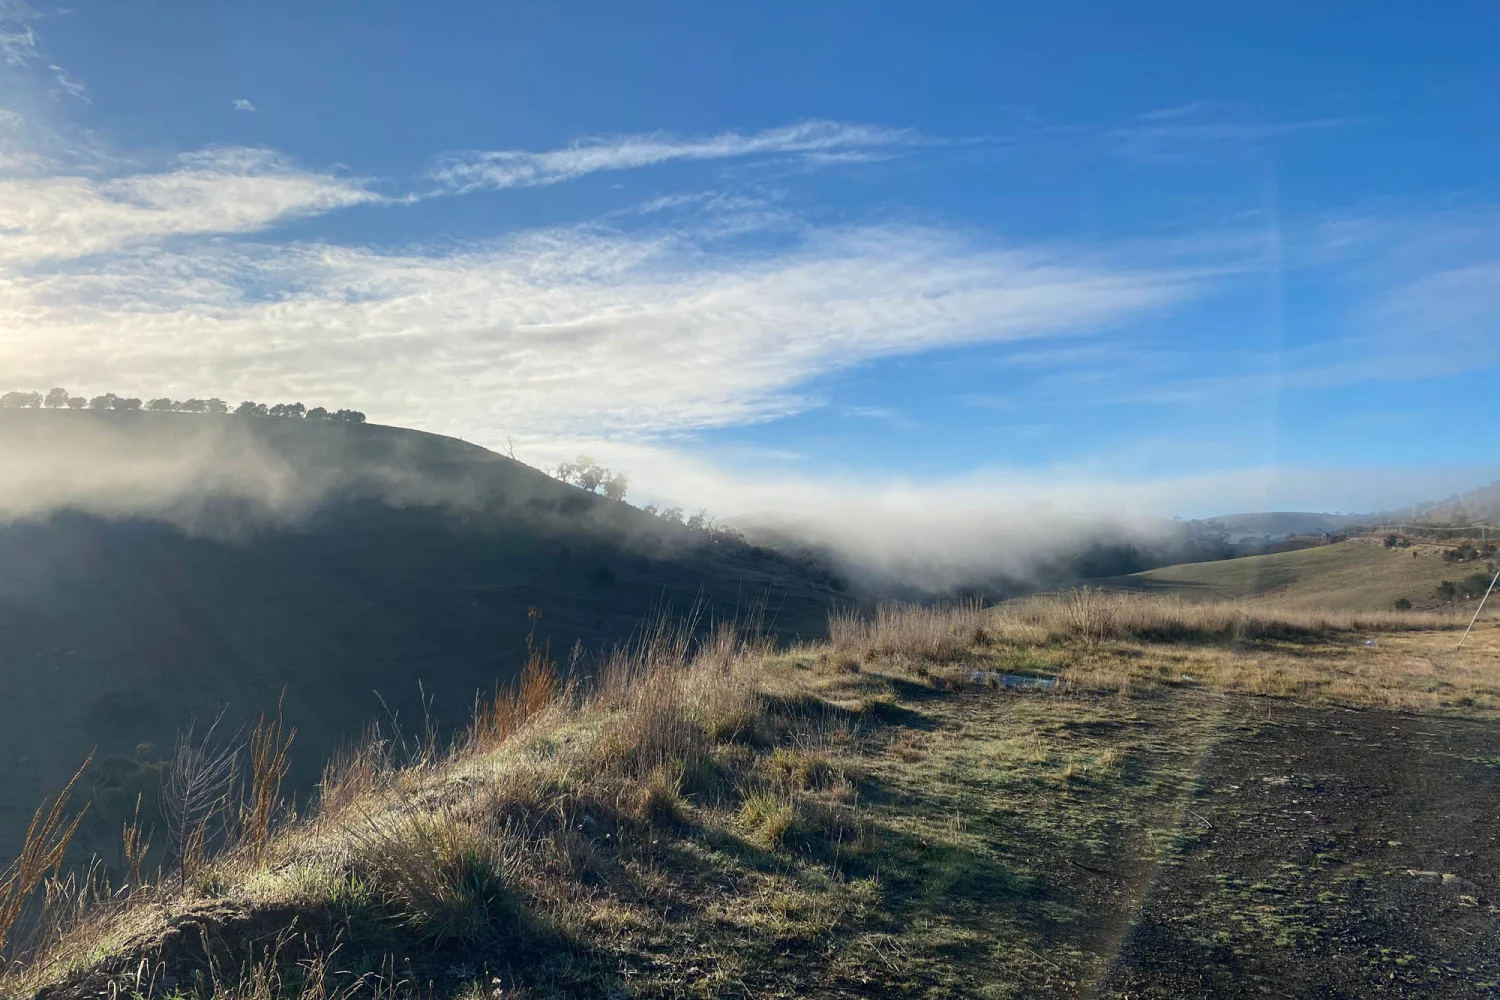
(1176, 111)
(16, 155)
(552, 331)
(17, 44)
(513, 168)
(1192, 131)
(1227, 131)
(17, 37)
(19, 47)
(220, 190)
(116, 280)
(240, 104)
(70, 86)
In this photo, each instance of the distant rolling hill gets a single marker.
(156, 568)
(1357, 574)
(1281, 523)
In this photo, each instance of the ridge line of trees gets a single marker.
(59, 398)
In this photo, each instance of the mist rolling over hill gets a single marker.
(956, 547)
(156, 568)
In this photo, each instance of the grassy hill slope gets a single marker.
(1358, 574)
(156, 568)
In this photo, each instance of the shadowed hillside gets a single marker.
(160, 567)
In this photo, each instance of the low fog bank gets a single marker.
(997, 532)
(993, 554)
(227, 478)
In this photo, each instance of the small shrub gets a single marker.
(1402, 604)
(1475, 584)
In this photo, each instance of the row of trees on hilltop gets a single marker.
(58, 398)
(296, 411)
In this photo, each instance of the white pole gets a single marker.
(1486, 597)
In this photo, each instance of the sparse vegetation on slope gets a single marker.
(880, 814)
(1360, 574)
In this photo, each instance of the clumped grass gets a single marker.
(497, 718)
(801, 770)
(455, 846)
(768, 816)
(448, 875)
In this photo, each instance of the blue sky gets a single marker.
(1169, 257)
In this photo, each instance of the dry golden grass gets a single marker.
(946, 634)
(554, 785)
(270, 758)
(41, 853)
(446, 844)
(443, 872)
(1127, 643)
(930, 634)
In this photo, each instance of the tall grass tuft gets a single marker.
(449, 876)
(42, 851)
(356, 772)
(937, 634)
(270, 748)
(500, 716)
(199, 788)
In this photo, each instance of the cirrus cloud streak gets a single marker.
(819, 142)
(567, 330)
